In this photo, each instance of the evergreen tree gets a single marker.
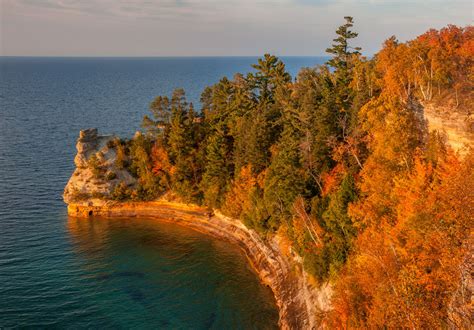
(344, 57)
(140, 150)
(317, 119)
(182, 147)
(270, 75)
(218, 171)
(342, 53)
(338, 225)
(285, 179)
(159, 126)
(260, 127)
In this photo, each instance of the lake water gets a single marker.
(130, 273)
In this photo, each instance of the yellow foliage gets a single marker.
(237, 199)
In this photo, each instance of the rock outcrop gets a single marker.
(458, 127)
(95, 181)
(301, 304)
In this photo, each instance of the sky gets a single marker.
(212, 27)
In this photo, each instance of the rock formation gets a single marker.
(458, 127)
(95, 181)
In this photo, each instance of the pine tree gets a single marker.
(218, 171)
(343, 60)
(339, 228)
(259, 126)
(342, 52)
(285, 180)
(317, 117)
(159, 126)
(182, 147)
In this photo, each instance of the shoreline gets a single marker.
(300, 305)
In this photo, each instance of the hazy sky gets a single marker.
(212, 27)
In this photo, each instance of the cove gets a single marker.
(145, 273)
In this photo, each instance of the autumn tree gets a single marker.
(237, 200)
(394, 131)
(406, 272)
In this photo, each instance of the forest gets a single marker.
(340, 161)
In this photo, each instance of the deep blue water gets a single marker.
(133, 273)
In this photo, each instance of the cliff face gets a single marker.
(458, 127)
(95, 181)
(301, 305)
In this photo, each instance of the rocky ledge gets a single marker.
(457, 127)
(301, 304)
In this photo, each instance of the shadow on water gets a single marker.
(120, 274)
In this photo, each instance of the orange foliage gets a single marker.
(437, 64)
(405, 273)
(160, 160)
(394, 63)
(332, 180)
(237, 199)
(160, 165)
(394, 133)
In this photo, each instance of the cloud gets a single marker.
(157, 8)
(121, 8)
(212, 27)
(214, 10)
(316, 2)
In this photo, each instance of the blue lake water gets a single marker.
(131, 273)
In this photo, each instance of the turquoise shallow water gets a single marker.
(130, 273)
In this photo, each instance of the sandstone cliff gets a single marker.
(96, 181)
(458, 127)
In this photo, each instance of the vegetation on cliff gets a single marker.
(340, 161)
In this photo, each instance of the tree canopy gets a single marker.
(340, 162)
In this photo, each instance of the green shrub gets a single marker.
(96, 166)
(121, 157)
(121, 192)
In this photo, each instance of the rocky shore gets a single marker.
(301, 304)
